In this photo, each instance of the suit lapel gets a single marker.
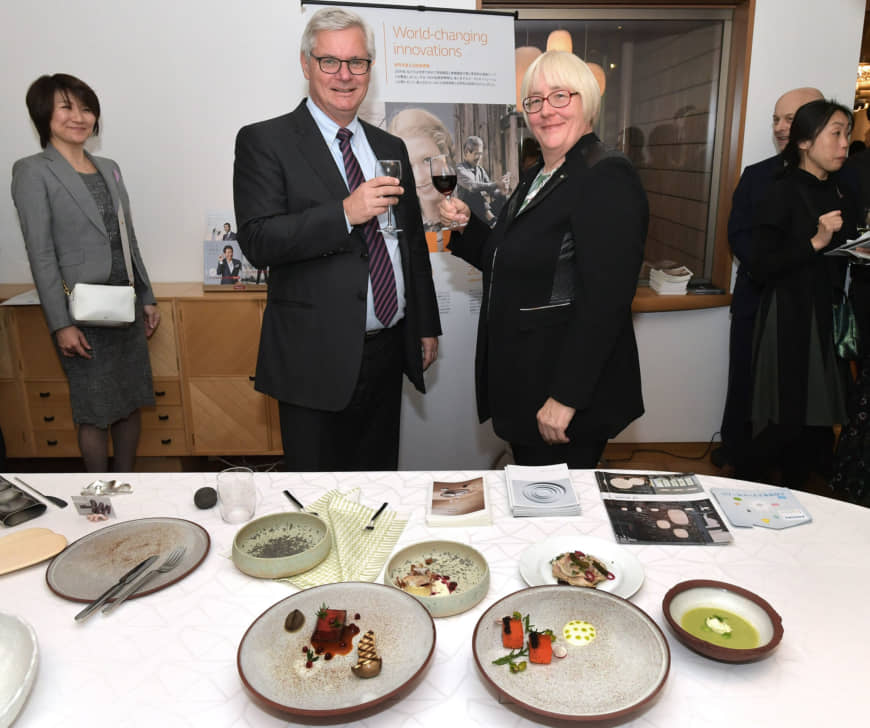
(73, 184)
(311, 146)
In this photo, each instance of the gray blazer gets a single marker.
(64, 234)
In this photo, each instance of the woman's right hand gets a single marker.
(72, 342)
(454, 212)
(829, 223)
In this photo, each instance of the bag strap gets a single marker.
(125, 248)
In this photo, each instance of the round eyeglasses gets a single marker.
(332, 65)
(556, 99)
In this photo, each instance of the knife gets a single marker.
(112, 590)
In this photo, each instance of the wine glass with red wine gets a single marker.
(443, 178)
(389, 168)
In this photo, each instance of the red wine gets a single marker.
(444, 183)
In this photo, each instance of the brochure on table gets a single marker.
(462, 503)
(770, 508)
(660, 509)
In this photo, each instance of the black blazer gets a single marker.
(288, 199)
(751, 191)
(562, 331)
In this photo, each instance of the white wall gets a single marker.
(177, 80)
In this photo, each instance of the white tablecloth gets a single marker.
(169, 659)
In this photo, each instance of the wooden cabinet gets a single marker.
(203, 358)
(219, 342)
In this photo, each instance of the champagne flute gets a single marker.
(389, 168)
(443, 178)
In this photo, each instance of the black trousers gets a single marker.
(580, 455)
(365, 434)
(736, 427)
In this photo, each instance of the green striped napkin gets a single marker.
(356, 554)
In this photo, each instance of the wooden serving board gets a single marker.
(29, 547)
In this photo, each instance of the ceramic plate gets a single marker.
(19, 657)
(89, 566)
(618, 672)
(536, 570)
(272, 664)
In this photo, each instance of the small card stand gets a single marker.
(16, 506)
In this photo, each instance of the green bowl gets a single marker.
(281, 544)
(457, 561)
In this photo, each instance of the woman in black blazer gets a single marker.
(557, 366)
(799, 383)
(74, 214)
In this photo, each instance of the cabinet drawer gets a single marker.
(167, 391)
(163, 417)
(55, 443)
(162, 442)
(47, 392)
(57, 416)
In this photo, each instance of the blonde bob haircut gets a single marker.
(563, 70)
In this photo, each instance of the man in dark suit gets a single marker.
(227, 267)
(349, 308)
(751, 191)
(228, 232)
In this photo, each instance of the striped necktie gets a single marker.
(380, 266)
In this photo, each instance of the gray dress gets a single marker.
(116, 381)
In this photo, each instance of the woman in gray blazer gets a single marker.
(71, 206)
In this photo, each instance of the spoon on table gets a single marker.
(59, 502)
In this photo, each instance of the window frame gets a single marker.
(730, 120)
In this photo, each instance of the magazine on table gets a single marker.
(769, 508)
(544, 490)
(462, 503)
(660, 509)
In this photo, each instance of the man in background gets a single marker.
(474, 187)
(755, 182)
(349, 307)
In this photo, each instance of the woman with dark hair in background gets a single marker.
(74, 214)
(799, 382)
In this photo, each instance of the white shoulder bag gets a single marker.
(93, 304)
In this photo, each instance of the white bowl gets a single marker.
(19, 658)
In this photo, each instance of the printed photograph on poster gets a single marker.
(477, 146)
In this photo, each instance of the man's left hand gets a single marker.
(430, 350)
(152, 319)
(553, 419)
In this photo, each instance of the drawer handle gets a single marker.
(45, 394)
(167, 441)
(252, 378)
(48, 418)
(51, 443)
(163, 418)
(160, 394)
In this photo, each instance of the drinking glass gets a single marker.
(237, 494)
(443, 178)
(389, 168)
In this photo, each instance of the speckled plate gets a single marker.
(536, 569)
(272, 665)
(89, 566)
(456, 561)
(617, 673)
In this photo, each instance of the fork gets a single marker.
(171, 562)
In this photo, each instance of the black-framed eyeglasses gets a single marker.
(556, 99)
(332, 65)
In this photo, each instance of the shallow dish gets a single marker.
(19, 657)
(536, 570)
(272, 664)
(89, 566)
(281, 544)
(457, 562)
(689, 595)
(617, 673)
